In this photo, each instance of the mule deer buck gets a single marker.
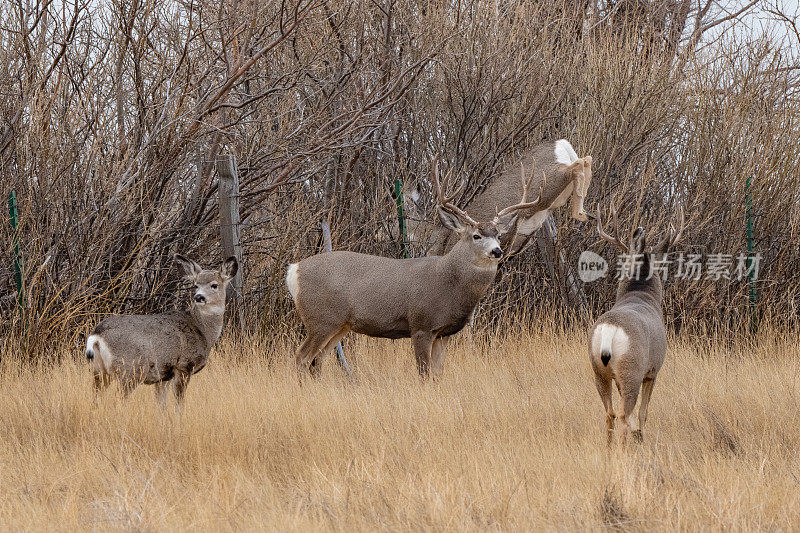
(557, 171)
(426, 299)
(157, 349)
(627, 344)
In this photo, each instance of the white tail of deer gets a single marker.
(163, 348)
(426, 299)
(628, 343)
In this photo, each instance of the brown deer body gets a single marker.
(556, 170)
(426, 299)
(157, 349)
(628, 343)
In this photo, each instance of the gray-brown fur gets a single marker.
(157, 349)
(556, 181)
(426, 299)
(628, 343)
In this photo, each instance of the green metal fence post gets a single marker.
(401, 217)
(12, 210)
(753, 297)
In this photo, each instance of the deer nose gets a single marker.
(497, 253)
(199, 298)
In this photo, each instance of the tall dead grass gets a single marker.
(510, 438)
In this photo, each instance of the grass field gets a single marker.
(510, 438)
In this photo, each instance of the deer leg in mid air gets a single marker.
(582, 177)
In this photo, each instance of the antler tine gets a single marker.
(616, 225)
(605, 236)
(526, 183)
(456, 192)
(524, 204)
(681, 227)
(447, 201)
(673, 236)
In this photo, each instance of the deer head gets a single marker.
(484, 239)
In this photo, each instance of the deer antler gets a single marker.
(672, 237)
(524, 204)
(446, 202)
(605, 236)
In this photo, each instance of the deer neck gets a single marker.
(208, 322)
(650, 289)
(475, 273)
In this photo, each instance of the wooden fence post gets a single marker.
(327, 246)
(228, 191)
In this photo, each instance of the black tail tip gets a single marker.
(89, 355)
(605, 357)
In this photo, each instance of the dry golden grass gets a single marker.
(511, 438)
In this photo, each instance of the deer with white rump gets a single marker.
(426, 299)
(157, 349)
(627, 344)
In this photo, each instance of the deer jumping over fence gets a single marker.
(627, 344)
(557, 171)
(157, 349)
(426, 299)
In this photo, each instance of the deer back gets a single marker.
(553, 168)
(391, 298)
(152, 346)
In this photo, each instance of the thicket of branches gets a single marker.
(111, 119)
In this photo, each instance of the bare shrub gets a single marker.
(111, 119)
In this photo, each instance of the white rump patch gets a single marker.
(100, 351)
(610, 338)
(292, 281)
(564, 152)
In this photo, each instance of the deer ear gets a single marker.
(451, 221)
(189, 268)
(663, 247)
(638, 241)
(229, 268)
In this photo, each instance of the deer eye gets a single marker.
(477, 236)
(213, 285)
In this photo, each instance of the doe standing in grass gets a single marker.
(628, 343)
(157, 349)
(424, 298)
